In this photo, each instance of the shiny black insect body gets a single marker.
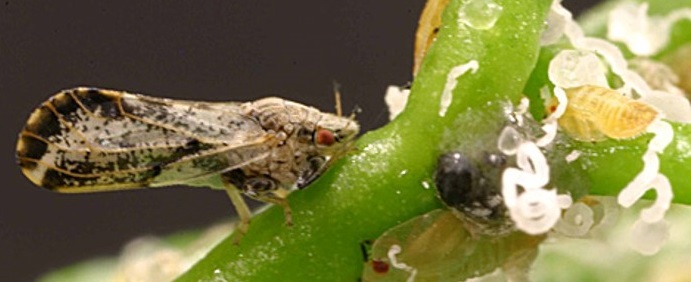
(471, 187)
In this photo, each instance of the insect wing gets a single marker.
(87, 139)
(437, 247)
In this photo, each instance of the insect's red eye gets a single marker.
(552, 108)
(324, 137)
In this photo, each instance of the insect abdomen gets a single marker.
(595, 113)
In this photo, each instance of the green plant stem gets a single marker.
(381, 184)
(612, 164)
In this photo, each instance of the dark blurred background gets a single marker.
(200, 50)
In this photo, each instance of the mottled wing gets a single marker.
(86, 140)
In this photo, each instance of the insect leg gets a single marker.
(283, 202)
(242, 209)
(318, 165)
(267, 190)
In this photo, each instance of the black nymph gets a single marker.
(472, 186)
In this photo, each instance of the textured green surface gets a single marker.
(612, 164)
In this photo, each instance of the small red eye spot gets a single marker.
(324, 137)
(380, 266)
(552, 108)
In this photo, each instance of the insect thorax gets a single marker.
(289, 128)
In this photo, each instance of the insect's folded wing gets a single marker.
(86, 139)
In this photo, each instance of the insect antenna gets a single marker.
(339, 106)
(337, 97)
(356, 110)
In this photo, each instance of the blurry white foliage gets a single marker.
(658, 75)
(647, 238)
(152, 259)
(644, 35)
